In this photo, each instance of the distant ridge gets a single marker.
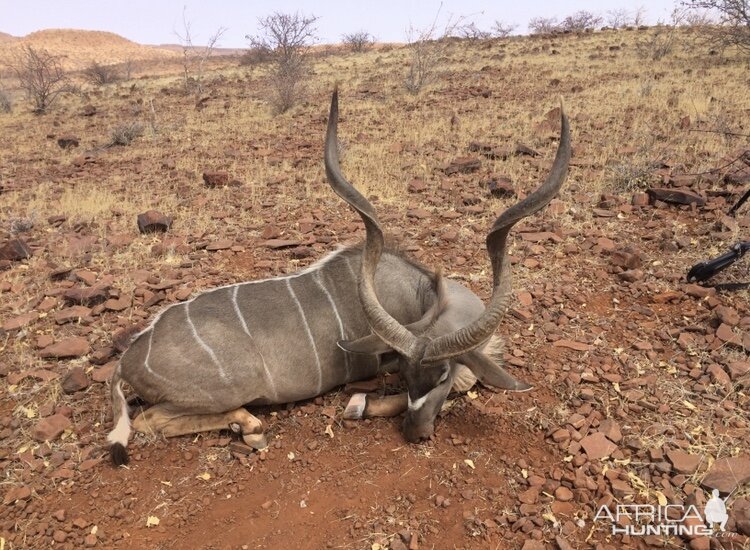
(78, 48)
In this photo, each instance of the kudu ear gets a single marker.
(367, 345)
(490, 373)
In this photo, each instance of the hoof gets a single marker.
(522, 387)
(355, 409)
(256, 441)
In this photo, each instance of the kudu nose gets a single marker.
(414, 433)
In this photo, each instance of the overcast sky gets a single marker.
(154, 21)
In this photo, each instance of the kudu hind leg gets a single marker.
(159, 419)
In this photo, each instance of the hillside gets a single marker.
(78, 48)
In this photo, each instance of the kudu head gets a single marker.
(425, 352)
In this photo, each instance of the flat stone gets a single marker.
(726, 334)
(631, 275)
(71, 314)
(597, 446)
(698, 291)
(727, 315)
(572, 344)
(68, 142)
(719, 375)
(50, 428)
(541, 236)
(416, 186)
(104, 373)
(279, 243)
(70, 347)
(15, 494)
(86, 296)
(611, 429)
(727, 474)
(221, 244)
(501, 187)
(118, 304)
(738, 369)
(215, 179)
(683, 462)
(463, 165)
(75, 380)
(20, 321)
(676, 196)
(529, 496)
(15, 250)
(153, 221)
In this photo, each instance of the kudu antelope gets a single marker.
(295, 337)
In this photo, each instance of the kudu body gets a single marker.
(295, 337)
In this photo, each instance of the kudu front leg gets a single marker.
(362, 405)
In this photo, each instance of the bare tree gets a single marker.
(359, 41)
(99, 75)
(544, 25)
(662, 40)
(426, 47)
(502, 30)
(733, 17)
(470, 31)
(41, 76)
(194, 57)
(618, 18)
(580, 21)
(287, 38)
(639, 16)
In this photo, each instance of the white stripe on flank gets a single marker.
(351, 270)
(202, 344)
(309, 334)
(146, 362)
(317, 278)
(247, 331)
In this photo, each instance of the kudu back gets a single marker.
(294, 337)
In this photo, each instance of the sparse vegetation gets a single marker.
(426, 46)
(6, 105)
(359, 41)
(194, 57)
(732, 25)
(544, 25)
(581, 21)
(124, 134)
(40, 75)
(500, 29)
(100, 75)
(471, 31)
(662, 41)
(287, 39)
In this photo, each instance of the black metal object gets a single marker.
(739, 202)
(705, 270)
